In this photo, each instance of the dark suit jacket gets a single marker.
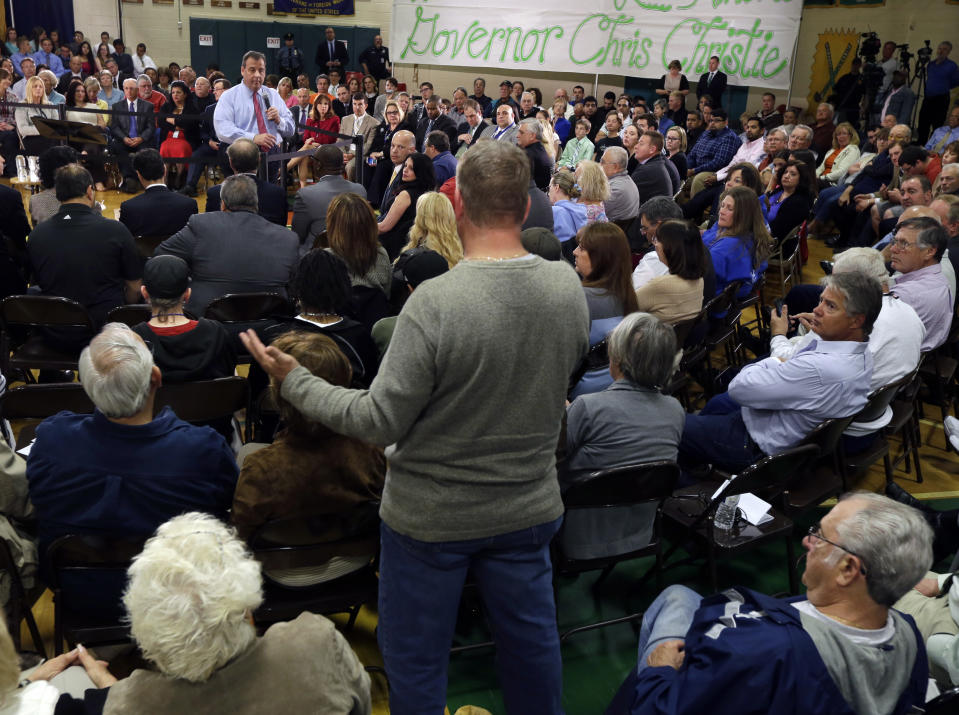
(233, 252)
(273, 205)
(652, 179)
(120, 123)
(339, 53)
(674, 177)
(13, 219)
(714, 90)
(540, 166)
(441, 124)
(475, 134)
(157, 212)
(64, 84)
(311, 203)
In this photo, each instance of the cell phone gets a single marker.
(779, 307)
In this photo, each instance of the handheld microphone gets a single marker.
(266, 99)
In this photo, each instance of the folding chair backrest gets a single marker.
(827, 433)
(300, 542)
(623, 486)
(245, 307)
(879, 401)
(88, 552)
(204, 400)
(130, 314)
(148, 244)
(768, 477)
(41, 401)
(44, 310)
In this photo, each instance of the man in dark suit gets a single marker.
(651, 175)
(75, 72)
(234, 250)
(712, 83)
(472, 128)
(331, 54)
(244, 158)
(157, 211)
(124, 61)
(14, 228)
(528, 138)
(209, 143)
(301, 112)
(130, 132)
(434, 121)
(311, 202)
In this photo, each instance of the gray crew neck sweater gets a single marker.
(470, 395)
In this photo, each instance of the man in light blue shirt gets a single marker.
(46, 56)
(252, 111)
(946, 134)
(773, 405)
(24, 54)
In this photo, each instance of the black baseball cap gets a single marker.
(166, 277)
(288, 36)
(505, 83)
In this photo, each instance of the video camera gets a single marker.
(870, 46)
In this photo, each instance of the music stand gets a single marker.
(71, 132)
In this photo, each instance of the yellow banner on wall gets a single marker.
(832, 59)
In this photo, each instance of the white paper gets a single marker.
(26, 450)
(754, 509)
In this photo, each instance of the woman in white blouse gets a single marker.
(844, 153)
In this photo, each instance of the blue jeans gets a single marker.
(827, 199)
(668, 618)
(720, 439)
(420, 587)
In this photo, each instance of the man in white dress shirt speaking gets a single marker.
(253, 111)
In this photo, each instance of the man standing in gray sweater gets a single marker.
(469, 398)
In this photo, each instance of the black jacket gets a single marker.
(157, 212)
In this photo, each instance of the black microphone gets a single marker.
(266, 99)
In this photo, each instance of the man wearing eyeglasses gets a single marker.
(840, 649)
(773, 405)
(716, 147)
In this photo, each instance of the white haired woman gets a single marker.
(190, 597)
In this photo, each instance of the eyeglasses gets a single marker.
(815, 531)
(902, 244)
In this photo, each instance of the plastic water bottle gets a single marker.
(22, 174)
(726, 513)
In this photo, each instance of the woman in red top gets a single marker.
(322, 117)
(179, 130)
(89, 65)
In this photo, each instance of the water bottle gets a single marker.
(726, 513)
(22, 168)
(33, 169)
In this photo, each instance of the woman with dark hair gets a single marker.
(180, 131)
(790, 205)
(678, 295)
(45, 204)
(89, 65)
(630, 138)
(742, 242)
(91, 154)
(418, 177)
(744, 174)
(371, 89)
(352, 232)
(164, 80)
(54, 36)
(603, 261)
(321, 288)
(103, 55)
(353, 84)
(321, 116)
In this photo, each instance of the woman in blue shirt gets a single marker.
(742, 242)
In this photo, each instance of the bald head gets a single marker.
(917, 211)
(900, 132)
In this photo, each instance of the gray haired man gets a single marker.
(623, 201)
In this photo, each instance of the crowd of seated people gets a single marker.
(414, 302)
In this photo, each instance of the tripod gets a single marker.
(919, 79)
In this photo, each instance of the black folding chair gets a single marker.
(88, 559)
(131, 315)
(693, 510)
(39, 311)
(316, 542)
(615, 489)
(34, 403)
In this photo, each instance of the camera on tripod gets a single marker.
(870, 46)
(924, 54)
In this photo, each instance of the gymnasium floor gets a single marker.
(595, 662)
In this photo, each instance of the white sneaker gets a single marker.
(951, 425)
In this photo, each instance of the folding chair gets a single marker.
(615, 489)
(131, 315)
(34, 403)
(39, 311)
(316, 542)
